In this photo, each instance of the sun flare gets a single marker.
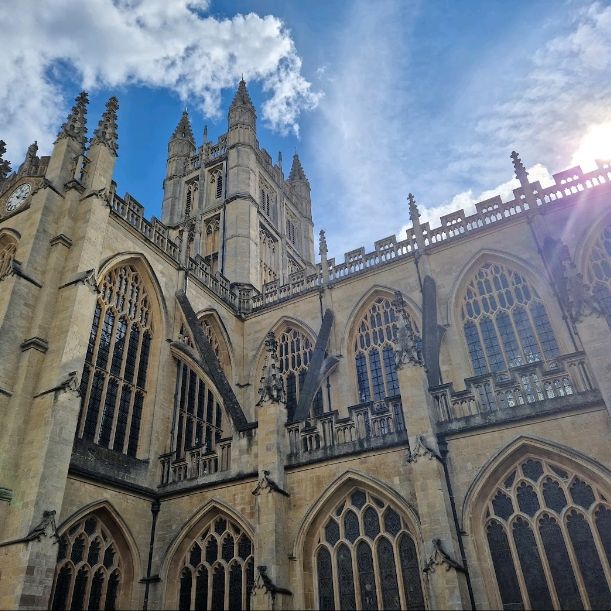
(595, 144)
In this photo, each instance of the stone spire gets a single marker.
(242, 112)
(242, 97)
(518, 166)
(183, 129)
(297, 172)
(414, 215)
(75, 126)
(522, 176)
(106, 131)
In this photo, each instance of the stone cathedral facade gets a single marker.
(200, 412)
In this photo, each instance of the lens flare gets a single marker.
(595, 144)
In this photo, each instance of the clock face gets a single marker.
(18, 197)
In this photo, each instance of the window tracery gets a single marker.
(547, 530)
(198, 413)
(374, 351)
(89, 569)
(217, 569)
(113, 385)
(291, 230)
(365, 557)
(267, 199)
(504, 321)
(599, 270)
(8, 248)
(191, 197)
(216, 183)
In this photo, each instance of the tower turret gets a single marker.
(103, 150)
(181, 148)
(242, 118)
(300, 186)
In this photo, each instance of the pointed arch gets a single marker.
(98, 558)
(198, 549)
(119, 372)
(358, 514)
(538, 515)
(371, 341)
(219, 338)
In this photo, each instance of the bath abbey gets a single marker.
(207, 411)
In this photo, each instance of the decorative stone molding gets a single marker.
(440, 557)
(422, 450)
(62, 239)
(6, 495)
(272, 383)
(37, 343)
(266, 483)
(264, 582)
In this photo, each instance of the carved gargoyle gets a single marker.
(440, 557)
(421, 450)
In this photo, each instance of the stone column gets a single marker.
(271, 555)
(447, 584)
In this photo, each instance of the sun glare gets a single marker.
(595, 144)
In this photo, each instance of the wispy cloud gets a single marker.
(166, 43)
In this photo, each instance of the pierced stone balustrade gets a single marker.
(196, 464)
(372, 424)
(523, 385)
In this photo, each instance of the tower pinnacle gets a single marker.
(242, 97)
(242, 112)
(106, 131)
(297, 172)
(183, 129)
(75, 126)
(520, 170)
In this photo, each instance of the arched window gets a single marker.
(505, 321)
(599, 270)
(8, 248)
(192, 191)
(89, 573)
(198, 413)
(549, 538)
(375, 342)
(113, 386)
(365, 557)
(217, 569)
(211, 329)
(219, 186)
(294, 354)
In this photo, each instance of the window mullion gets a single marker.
(516, 562)
(541, 550)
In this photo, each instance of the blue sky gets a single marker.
(379, 98)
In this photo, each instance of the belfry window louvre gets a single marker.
(365, 557)
(504, 321)
(219, 186)
(549, 538)
(88, 574)
(294, 354)
(113, 385)
(599, 270)
(217, 569)
(198, 420)
(375, 342)
(8, 248)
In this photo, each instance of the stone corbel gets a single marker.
(264, 582)
(267, 483)
(422, 450)
(440, 557)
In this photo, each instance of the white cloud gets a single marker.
(165, 43)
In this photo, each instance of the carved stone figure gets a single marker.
(408, 344)
(440, 557)
(272, 382)
(581, 302)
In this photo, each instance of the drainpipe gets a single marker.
(155, 507)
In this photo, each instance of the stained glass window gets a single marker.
(374, 351)
(599, 270)
(89, 568)
(221, 558)
(542, 533)
(504, 321)
(366, 558)
(113, 384)
(195, 427)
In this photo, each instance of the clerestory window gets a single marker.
(504, 321)
(113, 385)
(549, 538)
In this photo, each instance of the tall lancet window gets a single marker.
(294, 353)
(504, 321)
(599, 270)
(366, 558)
(113, 385)
(375, 342)
(549, 538)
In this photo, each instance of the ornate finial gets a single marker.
(272, 383)
(242, 98)
(5, 166)
(322, 244)
(518, 166)
(106, 131)
(297, 172)
(75, 126)
(183, 129)
(32, 150)
(414, 213)
(280, 159)
(205, 134)
(408, 342)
